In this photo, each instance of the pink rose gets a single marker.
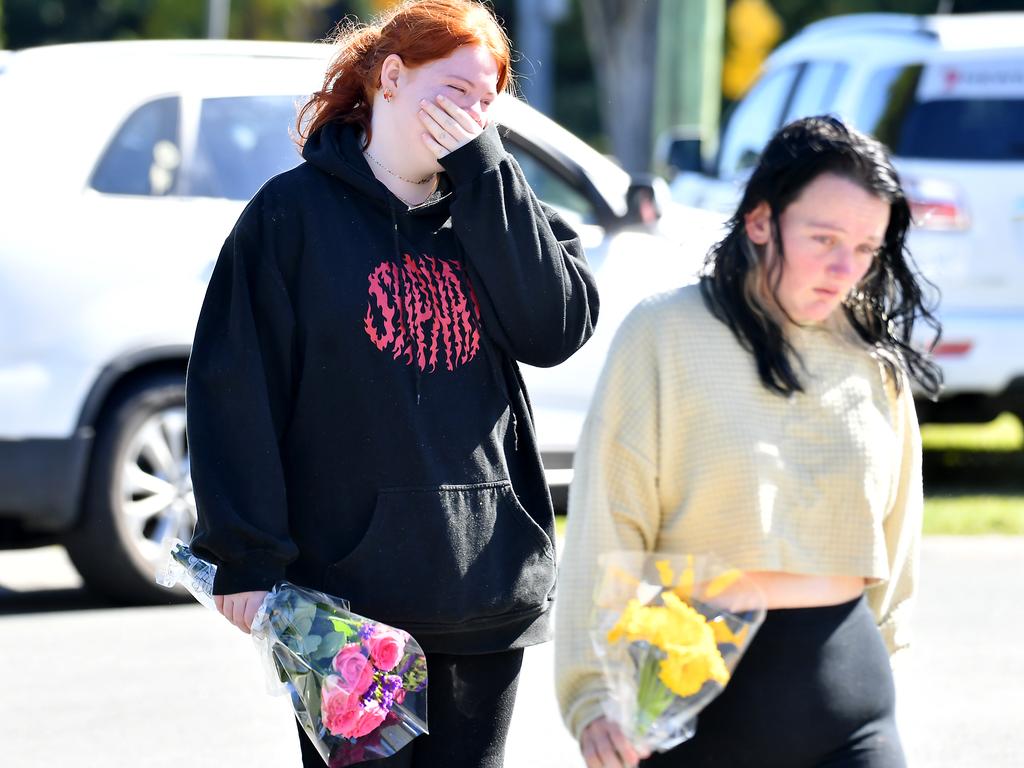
(353, 668)
(387, 645)
(339, 709)
(370, 718)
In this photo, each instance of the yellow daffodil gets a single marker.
(722, 582)
(673, 635)
(685, 671)
(725, 635)
(665, 572)
(683, 633)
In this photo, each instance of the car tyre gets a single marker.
(138, 493)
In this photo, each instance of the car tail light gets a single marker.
(952, 348)
(936, 205)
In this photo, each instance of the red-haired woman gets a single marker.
(356, 417)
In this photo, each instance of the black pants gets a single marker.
(814, 690)
(469, 708)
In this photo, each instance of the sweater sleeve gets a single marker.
(892, 600)
(238, 391)
(613, 505)
(537, 296)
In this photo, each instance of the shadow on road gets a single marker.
(30, 601)
(13, 602)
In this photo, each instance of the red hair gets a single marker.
(419, 31)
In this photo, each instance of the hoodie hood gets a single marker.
(336, 148)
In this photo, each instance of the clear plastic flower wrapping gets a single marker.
(668, 630)
(358, 687)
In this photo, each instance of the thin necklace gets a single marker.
(412, 204)
(410, 181)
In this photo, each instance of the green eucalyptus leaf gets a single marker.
(302, 618)
(332, 643)
(293, 641)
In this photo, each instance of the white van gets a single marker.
(946, 95)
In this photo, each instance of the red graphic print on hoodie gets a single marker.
(421, 310)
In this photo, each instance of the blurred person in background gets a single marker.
(765, 415)
(356, 417)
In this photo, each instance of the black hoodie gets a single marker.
(357, 422)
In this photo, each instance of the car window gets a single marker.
(145, 155)
(938, 113)
(754, 120)
(552, 188)
(242, 142)
(816, 89)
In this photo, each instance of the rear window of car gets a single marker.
(948, 112)
(242, 142)
(144, 156)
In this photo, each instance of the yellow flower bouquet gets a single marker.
(669, 630)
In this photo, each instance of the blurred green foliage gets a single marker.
(973, 477)
(576, 100)
(1004, 434)
(41, 22)
(965, 514)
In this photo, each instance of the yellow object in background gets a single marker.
(752, 29)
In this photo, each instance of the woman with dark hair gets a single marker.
(356, 417)
(765, 415)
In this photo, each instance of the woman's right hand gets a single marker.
(604, 745)
(240, 608)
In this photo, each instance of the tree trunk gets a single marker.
(622, 37)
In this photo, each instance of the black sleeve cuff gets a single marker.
(256, 574)
(470, 160)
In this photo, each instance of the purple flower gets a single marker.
(384, 692)
(373, 693)
(365, 631)
(389, 689)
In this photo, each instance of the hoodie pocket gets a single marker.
(447, 555)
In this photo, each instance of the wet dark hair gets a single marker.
(885, 305)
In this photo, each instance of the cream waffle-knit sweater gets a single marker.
(685, 451)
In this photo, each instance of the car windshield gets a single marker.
(610, 180)
(948, 112)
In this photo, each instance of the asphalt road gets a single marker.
(90, 685)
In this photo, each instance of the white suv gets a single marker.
(124, 166)
(946, 95)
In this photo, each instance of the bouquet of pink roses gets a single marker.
(358, 687)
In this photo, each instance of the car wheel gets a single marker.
(138, 493)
